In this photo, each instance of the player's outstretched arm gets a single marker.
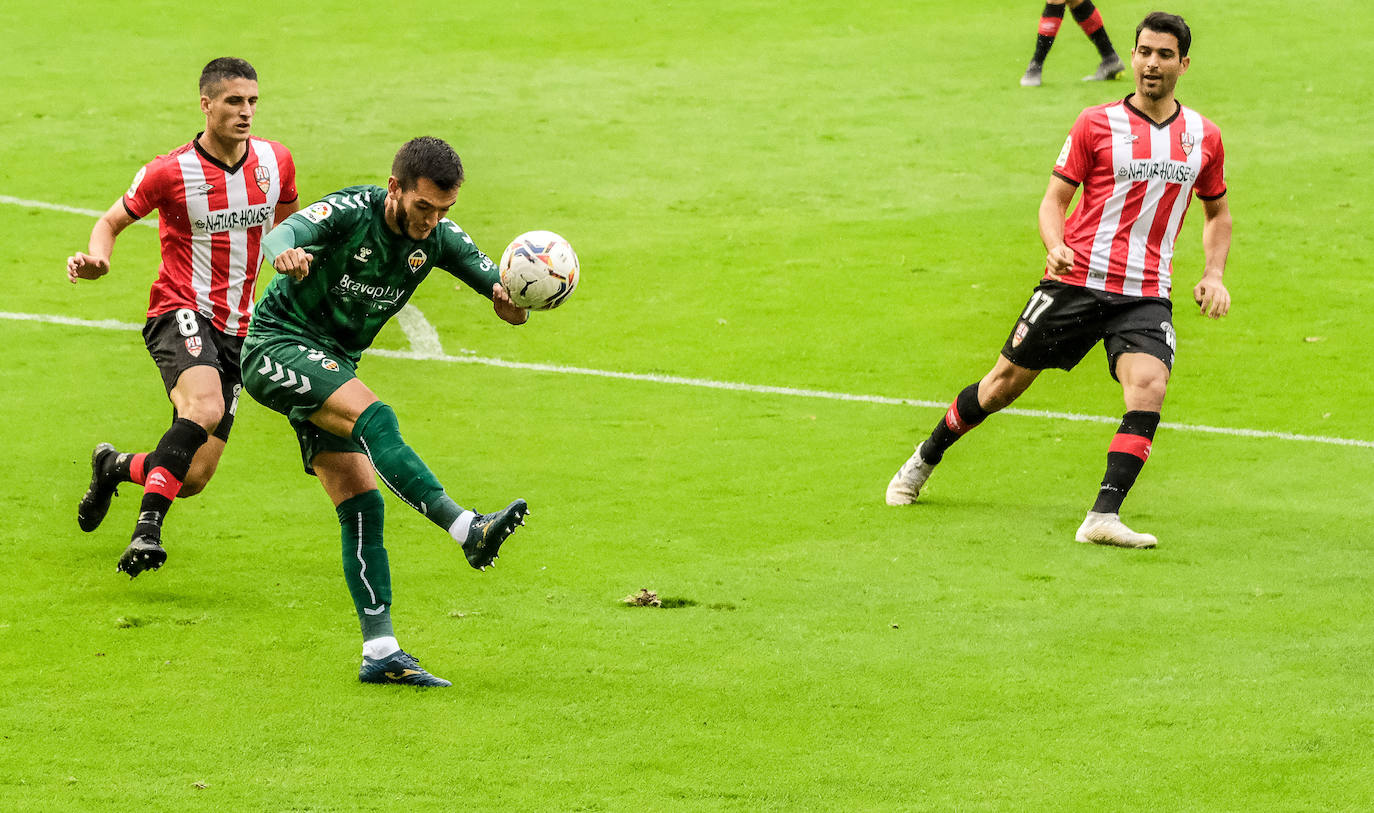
(94, 262)
(506, 309)
(1210, 293)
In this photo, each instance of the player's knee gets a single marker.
(1154, 391)
(1146, 393)
(207, 411)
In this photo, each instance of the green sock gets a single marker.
(400, 468)
(364, 561)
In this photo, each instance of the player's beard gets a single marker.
(403, 220)
(1164, 88)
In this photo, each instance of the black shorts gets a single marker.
(1062, 322)
(181, 339)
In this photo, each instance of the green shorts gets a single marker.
(287, 375)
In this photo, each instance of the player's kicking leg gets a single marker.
(484, 535)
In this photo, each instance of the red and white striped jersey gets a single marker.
(212, 221)
(1138, 178)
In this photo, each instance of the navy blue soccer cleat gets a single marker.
(398, 668)
(488, 531)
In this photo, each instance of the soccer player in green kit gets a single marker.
(348, 263)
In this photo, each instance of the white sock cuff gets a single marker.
(379, 648)
(460, 528)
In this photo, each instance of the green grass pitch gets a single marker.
(820, 196)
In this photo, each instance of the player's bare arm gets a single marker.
(94, 263)
(285, 210)
(294, 262)
(1210, 293)
(507, 310)
(1054, 208)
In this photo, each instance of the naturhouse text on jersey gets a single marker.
(233, 219)
(1154, 169)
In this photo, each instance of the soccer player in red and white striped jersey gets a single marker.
(1108, 271)
(217, 197)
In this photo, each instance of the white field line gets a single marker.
(418, 330)
(425, 346)
(706, 383)
(57, 207)
(422, 335)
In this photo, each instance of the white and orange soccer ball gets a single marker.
(539, 270)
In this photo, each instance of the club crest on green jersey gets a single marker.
(416, 259)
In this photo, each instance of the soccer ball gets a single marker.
(539, 270)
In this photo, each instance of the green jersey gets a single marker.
(362, 273)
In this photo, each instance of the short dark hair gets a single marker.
(226, 67)
(427, 157)
(1165, 23)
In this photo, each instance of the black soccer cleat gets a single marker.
(144, 553)
(488, 531)
(398, 668)
(95, 503)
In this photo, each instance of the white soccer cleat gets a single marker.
(906, 483)
(1108, 529)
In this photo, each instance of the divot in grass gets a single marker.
(649, 598)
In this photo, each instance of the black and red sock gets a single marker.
(1126, 456)
(165, 468)
(1090, 20)
(1050, 20)
(962, 415)
(128, 467)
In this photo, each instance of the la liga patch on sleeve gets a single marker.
(317, 212)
